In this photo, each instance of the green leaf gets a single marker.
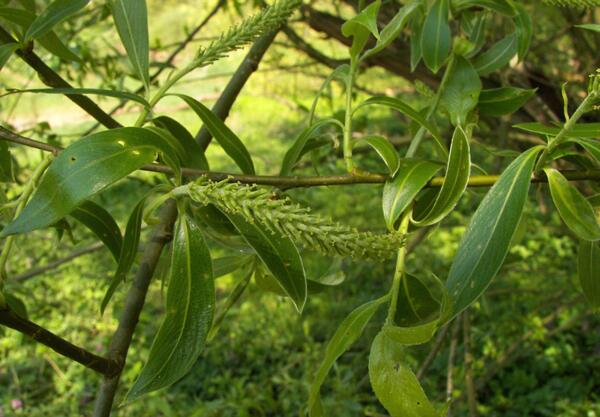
(16, 304)
(360, 26)
(50, 41)
(6, 169)
(96, 91)
(595, 27)
(455, 183)
(6, 52)
(292, 156)
(190, 308)
(84, 169)
(393, 29)
(194, 154)
(176, 152)
(436, 38)
(461, 92)
(503, 101)
(497, 56)
(581, 130)
(592, 146)
(279, 255)
(417, 303)
(524, 30)
(500, 6)
(346, 334)
(384, 149)
(129, 249)
(410, 336)
(228, 264)
(393, 382)
(416, 28)
(341, 73)
(577, 213)
(99, 221)
(407, 110)
(228, 140)
(131, 20)
(588, 268)
(399, 193)
(56, 12)
(487, 238)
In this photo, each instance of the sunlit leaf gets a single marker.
(189, 312)
(487, 238)
(6, 52)
(384, 149)
(461, 92)
(95, 91)
(393, 29)
(56, 12)
(581, 130)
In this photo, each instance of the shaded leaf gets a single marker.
(346, 334)
(384, 149)
(394, 383)
(500, 6)
(588, 268)
(582, 130)
(228, 264)
(189, 312)
(393, 29)
(279, 255)
(194, 154)
(56, 12)
(95, 91)
(461, 92)
(497, 56)
(524, 30)
(575, 210)
(6, 52)
(131, 20)
(592, 146)
(487, 239)
(228, 140)
(99, 221)
(436, 38)
(399, 193)
(504, 100)
(6, 168)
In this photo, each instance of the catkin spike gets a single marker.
(282, 216)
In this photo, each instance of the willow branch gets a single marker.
(104, 366)
(58, 262)
(248, 66)
(52, 79)
(295, 181)
(134, 302)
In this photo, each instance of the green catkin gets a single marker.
(246, 32)
(282, 216)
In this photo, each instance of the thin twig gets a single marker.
(437, 345)
(450, 373)
(304, 181)
(104, 366)
(469, 385)
(52, 79)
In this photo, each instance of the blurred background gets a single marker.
(533, 344)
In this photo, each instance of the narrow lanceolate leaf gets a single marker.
(6, 52)
(588, 267)
(56, 12)
(392, 380)
(82, 170)
(342, 74)
(436, 38)
(279, 255)
(129, 249)
(500, 6)
(497, 56)
(487, 239)
(95, 91)
(6, 169)
(393, 29)
(346, 334)
(194, 154)
(384, 149)
(292, 156)
(592, 146)
(504, 100)
(131, 20)
(455, 181)
(524, 30)
(190, 308)
(361, 26)
(228, 140)
(461, 93)
(407, 110)
(581, 130)
(399, 193)
(594, 27)
(99, 221)
(575, 210)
